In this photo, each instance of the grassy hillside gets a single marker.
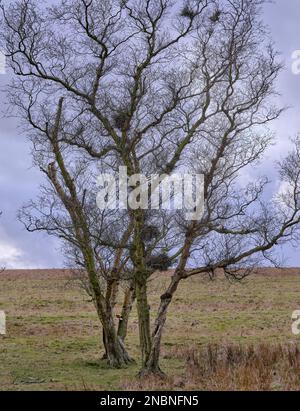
(53, 339)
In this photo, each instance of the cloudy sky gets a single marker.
(19, 181)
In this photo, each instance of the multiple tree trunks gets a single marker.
(152, 365)
(115, 351)
(198, 97)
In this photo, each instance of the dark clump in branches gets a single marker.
(160, 262)
(216, 16)
(187, 12)
(122, 120)
(150, 233)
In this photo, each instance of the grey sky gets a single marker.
(19, 181)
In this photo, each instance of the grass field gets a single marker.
(53, 335)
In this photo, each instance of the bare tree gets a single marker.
(158, 87)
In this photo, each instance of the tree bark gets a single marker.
(140, 280)
(129, 298)
(115, 352)
(104, 357)
(143, 310)
(152, 365)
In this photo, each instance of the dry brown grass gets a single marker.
(262, 367)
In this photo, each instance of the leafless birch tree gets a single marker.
(159, 87)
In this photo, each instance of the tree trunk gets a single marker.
(115, 351)
(140, 279)
(152, 366)
(143, 310)
(126, 310)
(123, 321)
(104, 357)
(111, 298)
